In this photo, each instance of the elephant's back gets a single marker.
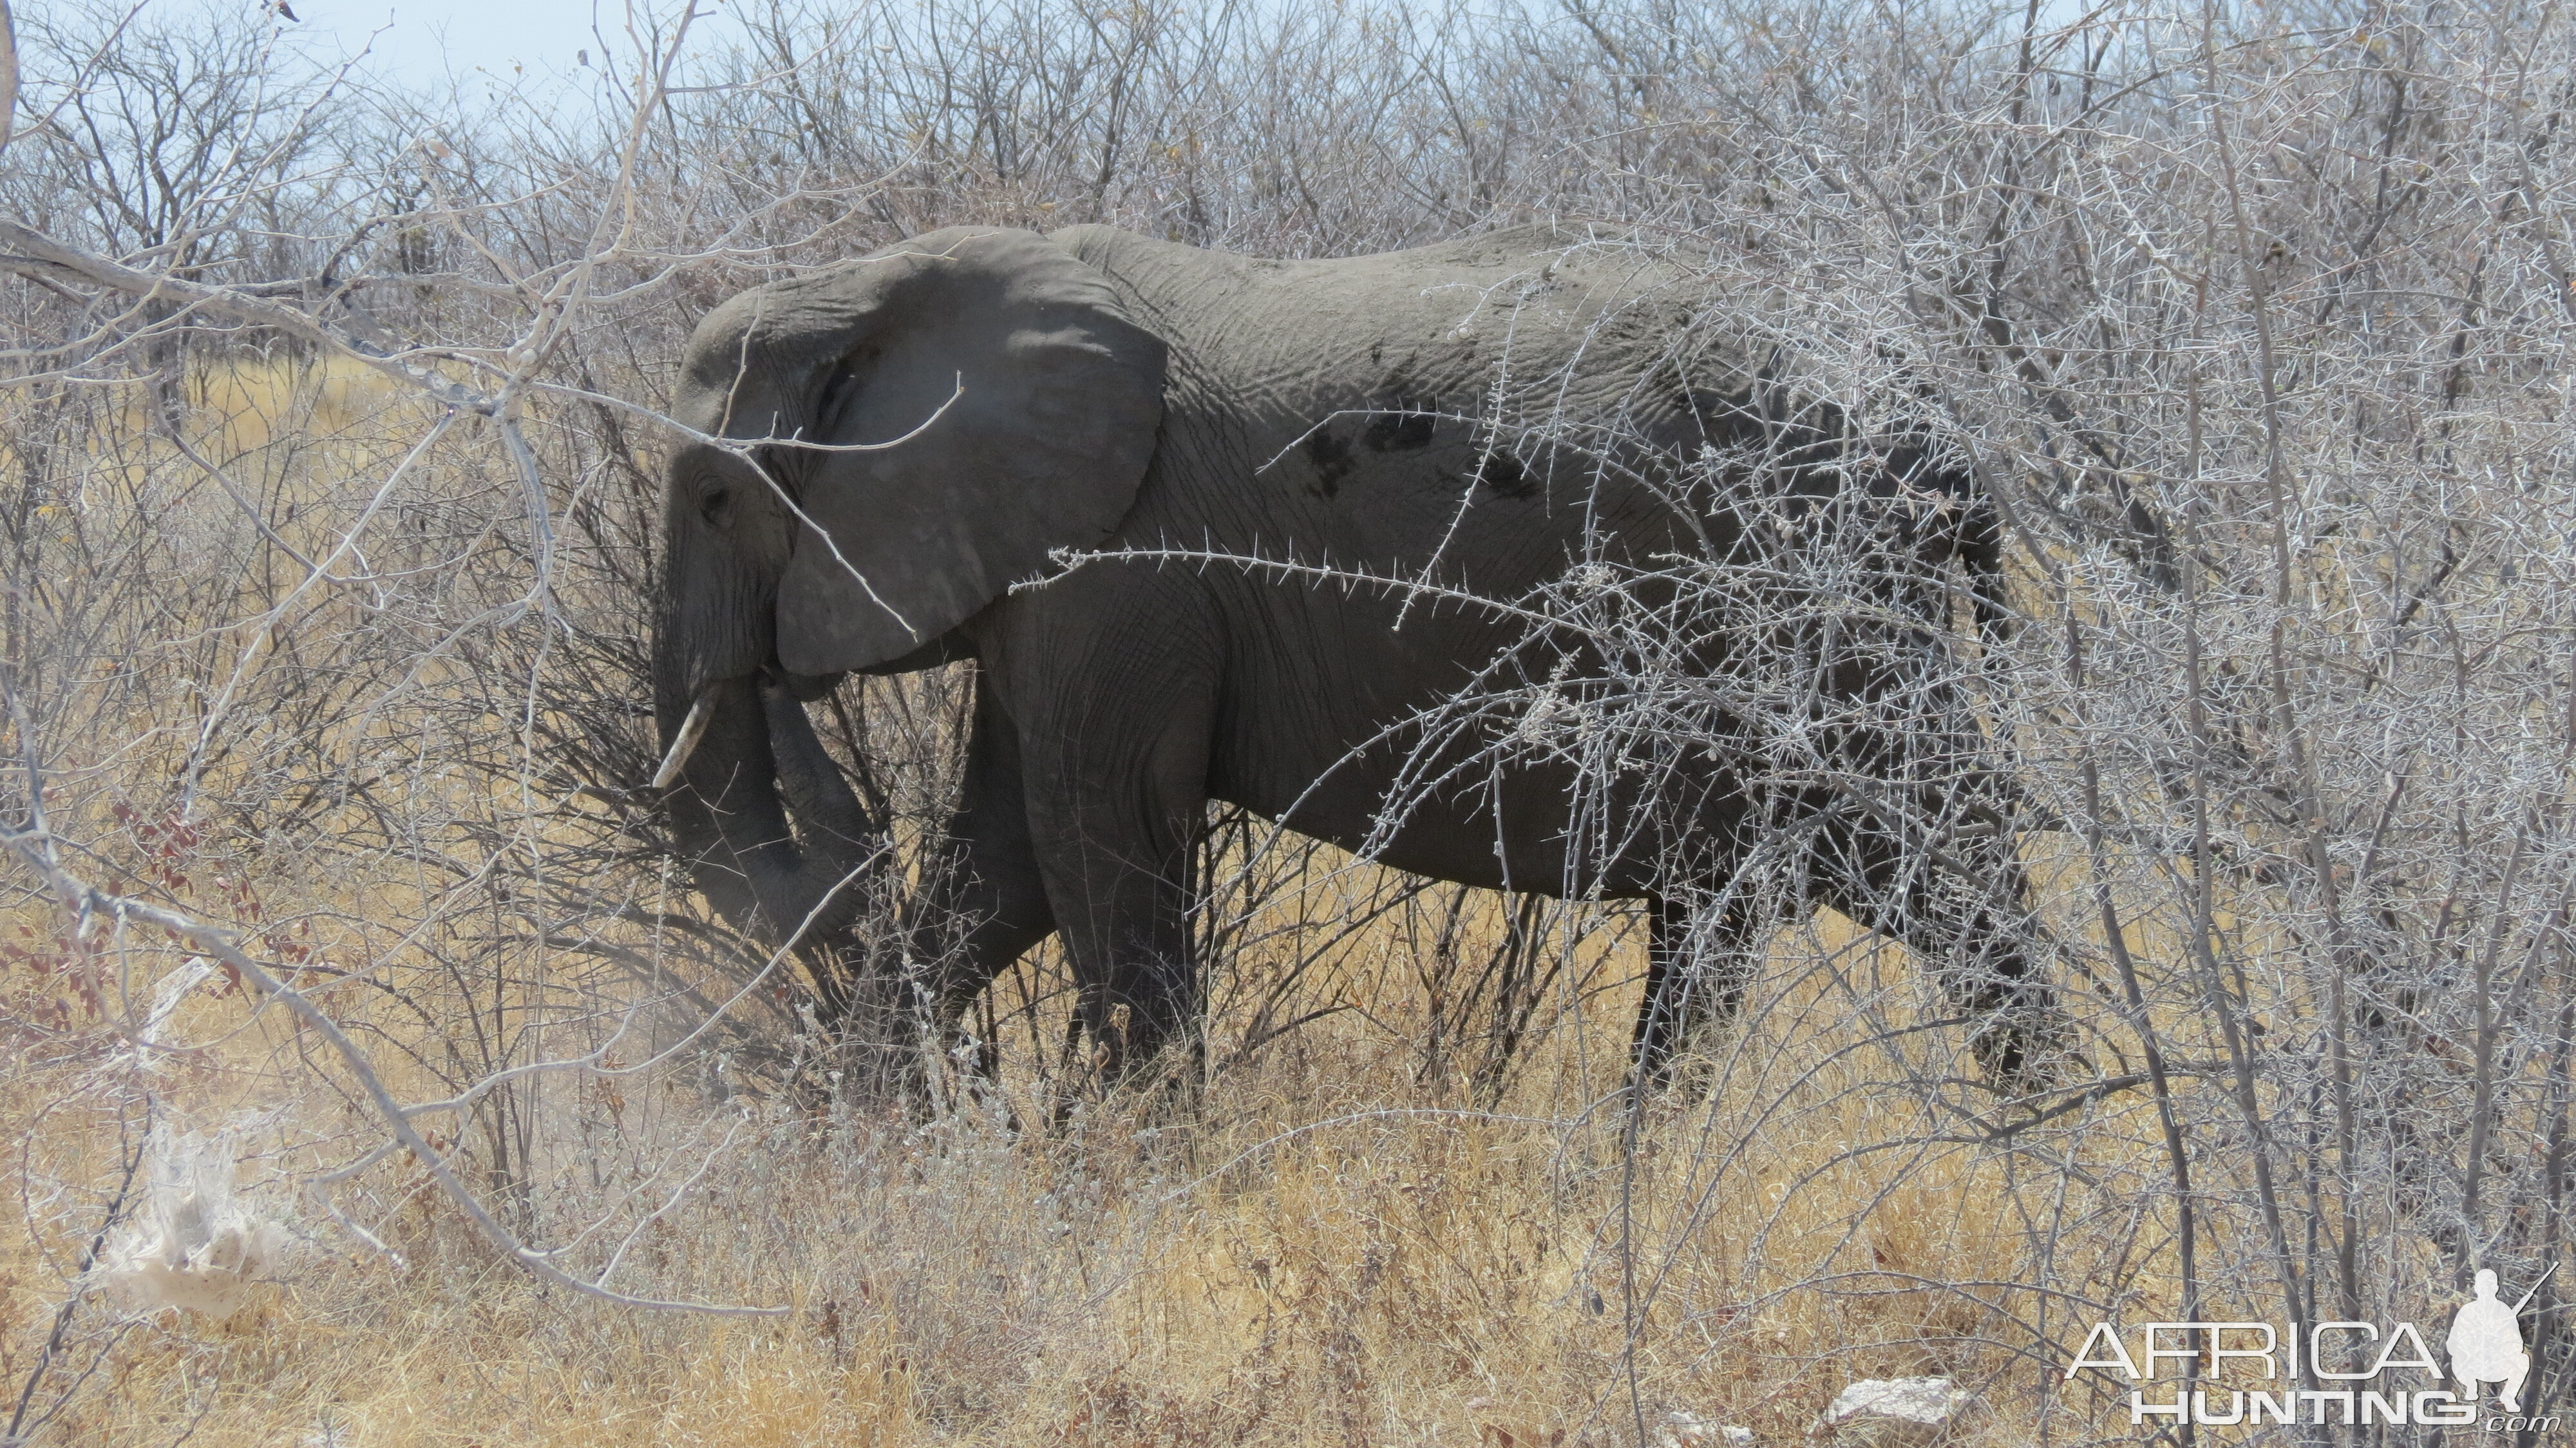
(1450, 407)
(1589, 326)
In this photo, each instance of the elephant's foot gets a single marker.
(1113, 1061)
(1681, 1066)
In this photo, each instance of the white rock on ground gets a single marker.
(1892, 1412)
(1685, 1429)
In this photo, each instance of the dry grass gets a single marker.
(1331, 1245)
(1314, 1254)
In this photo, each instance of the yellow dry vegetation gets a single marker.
(1319, 1251)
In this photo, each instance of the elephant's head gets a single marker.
(902, 438)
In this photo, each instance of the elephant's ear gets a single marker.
(1020, 401)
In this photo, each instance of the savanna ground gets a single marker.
(327, 430)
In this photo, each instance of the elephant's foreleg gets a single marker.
(1115, 823)
(1695, 982)
(982, 901)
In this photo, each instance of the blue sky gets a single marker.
(533, 44)
(481, 43)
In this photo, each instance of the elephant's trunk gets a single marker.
(753, 762)
(837, 827)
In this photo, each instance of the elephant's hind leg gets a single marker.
(1696, 976)
(1973, 935)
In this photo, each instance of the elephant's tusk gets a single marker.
(692, 729)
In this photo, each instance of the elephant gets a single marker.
(1211, 527)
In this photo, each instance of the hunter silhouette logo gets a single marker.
(2485, 1345)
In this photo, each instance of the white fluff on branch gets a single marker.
(197, 1244)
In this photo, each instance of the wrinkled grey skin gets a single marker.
(1119, 392)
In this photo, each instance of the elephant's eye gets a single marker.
(714, 502)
